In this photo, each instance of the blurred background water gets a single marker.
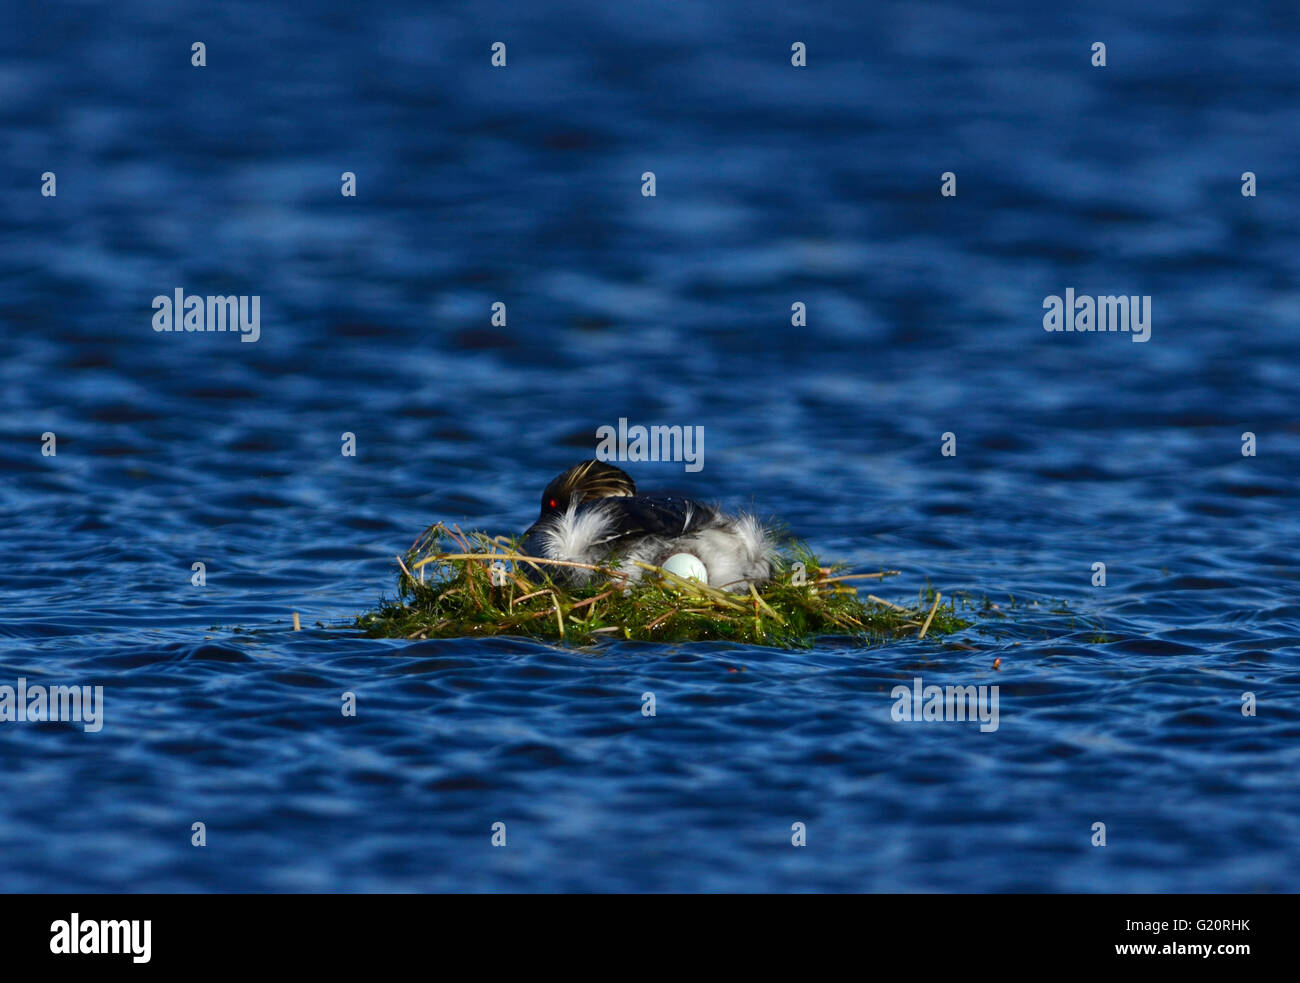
(775, 185)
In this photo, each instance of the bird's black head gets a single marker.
(590, 479)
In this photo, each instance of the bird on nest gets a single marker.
(593, 514)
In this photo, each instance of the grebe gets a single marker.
(593, 514)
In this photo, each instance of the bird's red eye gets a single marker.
(554, 504)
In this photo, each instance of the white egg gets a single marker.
(687, 566)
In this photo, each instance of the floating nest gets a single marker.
(455, 585)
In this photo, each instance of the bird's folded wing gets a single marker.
(645, 515)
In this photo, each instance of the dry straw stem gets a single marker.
(930, 617)
(449, 588)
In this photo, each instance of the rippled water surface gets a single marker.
(1118, 704)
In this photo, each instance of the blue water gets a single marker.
(1118, 704)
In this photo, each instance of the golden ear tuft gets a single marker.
(596, 479)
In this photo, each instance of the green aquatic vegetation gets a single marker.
(455, 585)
